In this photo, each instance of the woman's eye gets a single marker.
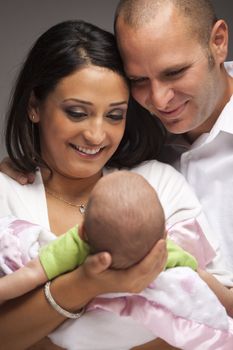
(76, 114)
(116, 116)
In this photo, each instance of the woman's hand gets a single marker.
(7, 167)
(133, 280)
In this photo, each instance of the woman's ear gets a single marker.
(219, 41)
(33, 109)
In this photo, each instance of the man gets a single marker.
(174, 53)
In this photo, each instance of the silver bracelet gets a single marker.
(57, 307)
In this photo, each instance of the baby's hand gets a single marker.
(8, 168)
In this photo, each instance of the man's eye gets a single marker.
(175, 73)
(135, 81)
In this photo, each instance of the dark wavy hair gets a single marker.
(60, 51)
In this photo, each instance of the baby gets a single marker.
(123, 217)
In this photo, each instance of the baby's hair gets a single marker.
(124, 217)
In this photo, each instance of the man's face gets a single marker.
(171, 74)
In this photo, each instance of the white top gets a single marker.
(28, 202)
(208, 166)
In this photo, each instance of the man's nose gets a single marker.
(159, 96)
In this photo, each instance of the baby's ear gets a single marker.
(82, 232)
(165, 234)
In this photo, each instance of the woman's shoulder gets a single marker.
(152, 164)
(170, 185)
(25, 201)
(6, 182)
(11, 190)
(154, 170)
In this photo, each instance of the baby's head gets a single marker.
(124, 217)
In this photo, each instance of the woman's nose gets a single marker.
(95, 133)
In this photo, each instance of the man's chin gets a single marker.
(175, 128)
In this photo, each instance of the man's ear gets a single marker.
(33, 109)
(219, 41)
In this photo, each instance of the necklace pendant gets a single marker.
(82, 209)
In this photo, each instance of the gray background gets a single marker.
(22, 21)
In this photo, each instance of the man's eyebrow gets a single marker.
(177, 67)
(133, 77)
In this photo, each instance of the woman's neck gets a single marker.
(69, 188)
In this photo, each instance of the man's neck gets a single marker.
(206, 127)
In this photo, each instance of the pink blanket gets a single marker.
(178, 306)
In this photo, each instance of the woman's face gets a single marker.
(82, 121)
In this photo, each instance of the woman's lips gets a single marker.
(86, 152)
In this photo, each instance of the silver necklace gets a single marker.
(81, 207)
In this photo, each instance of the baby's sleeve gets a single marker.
(179, 257)
(63, 254)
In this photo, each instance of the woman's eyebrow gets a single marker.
(90, 103)
(78, 100)
(118, 103)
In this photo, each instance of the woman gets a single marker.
(68, 119)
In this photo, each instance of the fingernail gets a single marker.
(23, 180)
(31, 178)
(104, 258)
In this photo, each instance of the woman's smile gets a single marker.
(87, 152)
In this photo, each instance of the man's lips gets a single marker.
(174, 113)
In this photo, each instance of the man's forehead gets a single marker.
(140, 12)
(163, 56)
(161, 65)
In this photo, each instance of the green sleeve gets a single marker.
(179, 257)
(63, 254)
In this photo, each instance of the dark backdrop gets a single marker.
(22, 21)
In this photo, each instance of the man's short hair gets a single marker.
(200, 14)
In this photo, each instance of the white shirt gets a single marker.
(208, 166)
(177, 198)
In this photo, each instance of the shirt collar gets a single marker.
(224, 123)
